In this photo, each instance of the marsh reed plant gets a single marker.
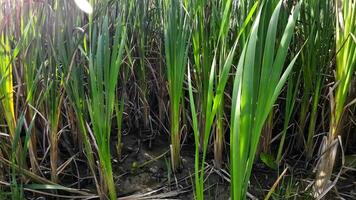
(105, 59)
(7, 56)
(53, 87)
(317, 19)
(215, 93)
(210, 40)
(258, 81)
(176, 40)
(71, 44)
(212, 109)
(203, 53)
(31, 56)
(345, 12)
(141, 33)
(13, 34)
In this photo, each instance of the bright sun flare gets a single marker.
(84, 5)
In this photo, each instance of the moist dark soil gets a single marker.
(143, 172)
(156, 174)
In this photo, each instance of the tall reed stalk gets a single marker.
(7, 56)
(203, 52)
(53, 79)
(105, 59)
(258, 82)
(68, 45)
(212, 109)
(317, 28)
(13, 32)
(176, 38)
(31, 65)
(345, 66)
(210, 36)
(140, 25)
(214, 98)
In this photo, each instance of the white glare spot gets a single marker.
(84, 5)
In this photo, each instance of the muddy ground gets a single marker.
(143, 172)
